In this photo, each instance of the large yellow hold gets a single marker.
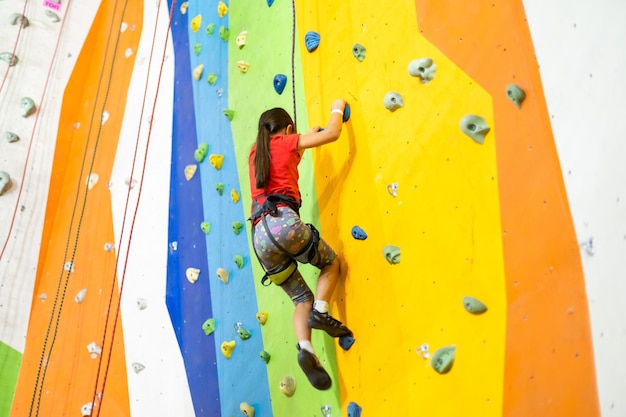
(222, 9)
(195, 23)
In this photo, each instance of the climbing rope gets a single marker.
(134, 218)
(55, 315)
(17, 39)
(293, 61)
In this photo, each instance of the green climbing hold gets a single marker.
(229, 113)
(28, 106)
(18, 17)
(443, 359)
(237, 226)
(239, 261)
(244, 334)
(201, 152)
(224, 33)
(11, 137)
(265, 356)
(5, 181)
(206, 227)
(208, 326)
(515, 94)
(197, 48)
(9, 58)
(473, 305)
(210, 29)
(475, 127)
(220, 188)
(212, 78)
(392, 254)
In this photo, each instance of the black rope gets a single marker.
(293, 63)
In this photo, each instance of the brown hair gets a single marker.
(270, 122)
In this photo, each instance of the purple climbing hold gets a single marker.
(354, 410)
(358, 233)
(311, 40)
(280, 81)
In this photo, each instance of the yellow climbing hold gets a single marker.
(246, 409)
(222, 9)
(222, 275)
(183, 7)
(216, 160)
(195, 23)
(234, 195)
(197, 72)
(227, 348)
(241, 39)
(190, 170)
(261, 317)
(243, 66)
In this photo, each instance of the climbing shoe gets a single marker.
(326, 322)
(313, 369)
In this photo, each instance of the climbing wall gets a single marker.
(128, 199)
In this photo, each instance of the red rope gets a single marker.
(19, 31)
(130, 235)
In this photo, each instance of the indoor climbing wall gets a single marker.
(129, 286)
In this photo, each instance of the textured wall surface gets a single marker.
(114, 229)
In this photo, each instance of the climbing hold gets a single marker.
(19, 18)
(192, 274)
(197, 48)
(109, 246)
(94, 350)
(210, 28)
(183, 7)
(222, 9)
(392, 189)
(244, 334)
(280, 81)
(325, 409)
(265, 356)
(142, 303)
(270, 2)
(138, 367)
(234, 196)
(197, 72)
(423, 351)
(130, 183)
(515, 94)
(246, 409)
(195, 23)
(261, 317)
(219, 187)
(358, 233)
(346, 342)
(354, 410)
(128, 53)
(5, 181)
(11, 137)
(237, 226)
(475, 127)
(392, 254)
(212, 78)
(52, 15)
(346, 113)
(230, 114)
(92, 180)
(222, 275)
(288, 385)
(27, 105)
(311, 40)
(9, 58)
(224, 33)
(423, 68)
(104, 118)
(68, 266)
(206, 227)
(243, 66)
(80, 296)
(358, 51)
(208, 327)
(473, 305)
(190, 170)
(216, 160)
(201, 152)
(86, 409)
(227, 348)
(393, 101)
(239, 261)
(443, 359)
(241, 39)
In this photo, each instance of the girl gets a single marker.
(281, 239)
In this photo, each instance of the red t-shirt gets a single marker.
(283, 169)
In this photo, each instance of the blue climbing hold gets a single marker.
(280, 81)
(346, 342)
(354, 410)
(269, 3)
(311, 40)
(357, 232)
(346, 113)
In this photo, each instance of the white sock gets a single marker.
(321, 306)
(306, 345)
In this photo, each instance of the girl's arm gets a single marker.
(316, 137)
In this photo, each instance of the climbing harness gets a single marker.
(310, 252)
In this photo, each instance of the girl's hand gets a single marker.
(314, 129)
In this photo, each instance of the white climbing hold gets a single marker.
(190, 170)
(423, 351)
(142, 303)
(105, 117)
(222, 274)
(80, 296)
(173, 246)
(392, 189)
(43, 297)
(128, 53)
(86, 409)
(109, 246)
(130, 183)
(137, 367)
(94, 350)
(68, 266)
(123, 27)
(92, 179)
(192, 274)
